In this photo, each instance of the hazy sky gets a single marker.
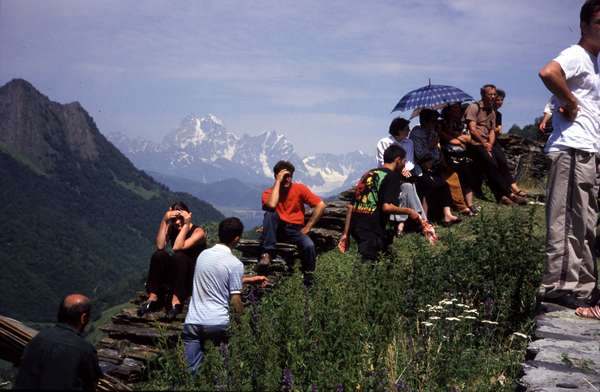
(324, 73)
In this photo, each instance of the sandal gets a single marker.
(467, 212)
(591, 312)
(521, 193)
(451, 222)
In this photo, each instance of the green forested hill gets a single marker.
(75, 214)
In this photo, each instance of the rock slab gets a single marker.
(564, 353)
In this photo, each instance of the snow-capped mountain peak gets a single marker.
(202, 149)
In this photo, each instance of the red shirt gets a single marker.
(291, 205)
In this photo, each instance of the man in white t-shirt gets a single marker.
(571, 206)
(218, 280)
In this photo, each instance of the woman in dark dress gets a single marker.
(173, 272)
(454, 138)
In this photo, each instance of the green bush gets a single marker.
(421, 318)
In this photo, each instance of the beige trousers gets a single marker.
(571, 217)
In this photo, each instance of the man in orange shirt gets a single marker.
(284, 218)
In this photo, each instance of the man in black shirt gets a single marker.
(59, 358)
(375, 198)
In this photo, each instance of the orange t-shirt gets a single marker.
(291, 206)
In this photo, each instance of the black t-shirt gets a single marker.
(194, 251)
(58, 358)
(498, 118)
(376, 187)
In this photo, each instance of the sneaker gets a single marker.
(475, 209)
(147, 307)
(263, 262)
(567, 300)
(173, 312)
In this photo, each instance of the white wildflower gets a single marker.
(470, 311)
(462, 305)
(421, 310)
(521, 335)
(489, 322)
(426, 324)
(452, 319)
(434, 318)
(470, 317)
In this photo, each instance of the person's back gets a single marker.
(213, 284)
(58, 358)
(217, 283)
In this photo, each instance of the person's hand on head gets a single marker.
(282, 174)
(187, 217)
(171, 214)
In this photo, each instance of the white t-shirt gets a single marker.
(581, 71)
(406, 144)
(218, 274)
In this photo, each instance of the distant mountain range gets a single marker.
(203, 150)
(77, 216)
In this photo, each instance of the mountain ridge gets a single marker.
(203, 150)
(77, 215)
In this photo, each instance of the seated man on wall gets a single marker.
(375, 199)
(480, 118)
(284, 218)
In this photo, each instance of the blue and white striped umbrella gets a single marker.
(431, 96)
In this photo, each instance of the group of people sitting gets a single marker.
(425, 174)
(422, 175)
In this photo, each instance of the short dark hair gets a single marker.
(229, 228)
(71, 313)
(397, 125)
(179, 206)
(588, 9)
(500, 93)
(426, 115)
(489, 85)
(283, 165)
(392, 152)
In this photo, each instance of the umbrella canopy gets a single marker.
(431, 96)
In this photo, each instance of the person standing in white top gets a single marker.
(571, 206)
(218, 280)
(409, 198)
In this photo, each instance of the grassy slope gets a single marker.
(363, 326)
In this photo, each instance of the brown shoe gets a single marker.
(506, 201)
(518, 199)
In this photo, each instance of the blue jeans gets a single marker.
(274, 228)
(194, 338)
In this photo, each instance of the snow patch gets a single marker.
(262, 158)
